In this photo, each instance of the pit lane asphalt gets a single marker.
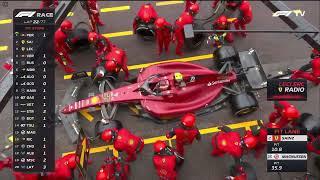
(276, 51)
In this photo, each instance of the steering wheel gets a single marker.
(145, 86)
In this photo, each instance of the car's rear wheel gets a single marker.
(81, 34)
(225, 54)
(244, 103)
(197, 40)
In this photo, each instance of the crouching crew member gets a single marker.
(185, 133)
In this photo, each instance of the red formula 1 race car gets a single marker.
(168, 90)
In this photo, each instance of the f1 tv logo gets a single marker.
(25, 14)
(297, 12)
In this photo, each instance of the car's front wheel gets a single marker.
(243, 103)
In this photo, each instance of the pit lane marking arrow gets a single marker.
(165, 3)
(116, 8)
(152, 140)
(139, 66)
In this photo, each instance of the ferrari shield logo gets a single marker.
(280, 89)
(131, 142)
(276, 138)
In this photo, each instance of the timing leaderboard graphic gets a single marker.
(287, 150)
(33, 91)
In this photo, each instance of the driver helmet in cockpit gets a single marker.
(164, 85)
(178, 78)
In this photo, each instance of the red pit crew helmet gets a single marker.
(222, 21)
(159, 146)
(92, 36)
(108, 135)
(291, 113)
(194, 8)
(111, 65)
(250, 141)
(188, 120)
(160, 22)
(66, 25)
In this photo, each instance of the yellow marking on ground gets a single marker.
(139, 66)
(87, 115)
(247, 128)
(6, 21)
(70, 14)
(134, 110)
(117, 8)
(10, 138)
(69, 76)
(118, 34)
(164, 138)
(3, 48)
(165, 3)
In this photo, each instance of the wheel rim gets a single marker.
(245, 111)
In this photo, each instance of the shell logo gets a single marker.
(94, 100)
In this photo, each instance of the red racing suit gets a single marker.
(260, 139)
(62, 171)
(218, 26)
(113, 169)
(278, 113)
(129, 143)
(45, 4)
(62, 50)
(184, 19)
(313, 144)
(313, 76)
(146, 14)
(103, 46)
(119, 56)
(165, 164)
(184, 136)
(94, 14)
(227, 142)
(245, 17)
(164, 36)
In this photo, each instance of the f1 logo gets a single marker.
(297, 12)
(25, 14)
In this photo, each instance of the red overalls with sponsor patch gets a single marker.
(165, 166)
(127, 142)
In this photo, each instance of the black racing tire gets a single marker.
(197, 40)
(100, 126)
(82, 42)
(243, 104)
(249, 170)
(146, 32)
(225, 54)
(309, 122)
